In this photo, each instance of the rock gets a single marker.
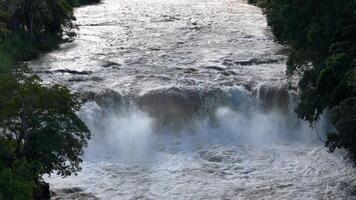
(87, 96)
(225, 73)
(70, 190)
(274, 97)
(256, 61)
(227, 62)
(154, 49)
(253, 61)
(108, 64)
(215, 68)
(177, 106)
(43, 192)
(73, 72)
(109, 99)
(190, 70)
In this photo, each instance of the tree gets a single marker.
(321, 37)
(43, 123)
(40, 132)
(17, 180)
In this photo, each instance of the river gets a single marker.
(188, 100)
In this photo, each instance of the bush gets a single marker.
(321, 37)
(40, 131)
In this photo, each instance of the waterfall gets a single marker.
(188, 100)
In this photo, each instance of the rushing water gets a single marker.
(188, 100)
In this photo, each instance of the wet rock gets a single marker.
(255, 61)
(170, 105)
(190, 70)
(69, 71)
(108, 64)
(177, 106)
(215, 68)
(283, 186)
(43, 192)
(228, 62)
(274, 97)
(87, 96)
(225, 73)
(154, 49)
(246, 62)
(70, 190)
(110, 99)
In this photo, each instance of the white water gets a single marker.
(187, 101)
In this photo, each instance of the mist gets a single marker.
(132, 134)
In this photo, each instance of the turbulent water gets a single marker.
(188, 100)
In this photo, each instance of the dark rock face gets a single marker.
(75, 72)
(43, 192)
(108, 64)
(110, 99)
(255, 61)
(175, 106)
(274, 97)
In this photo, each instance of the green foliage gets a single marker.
(40, 132)
(17, 180)
(29, 27)
(18, 49)
(321, 37)
(6, 62)
(344, 119)
(44, 124)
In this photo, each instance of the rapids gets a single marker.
(188, 100)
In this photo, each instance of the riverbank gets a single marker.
(321, 40)
(27, 151)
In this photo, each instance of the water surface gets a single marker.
(188, 100)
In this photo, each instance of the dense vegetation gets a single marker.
(321, 35)
(40, 132)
